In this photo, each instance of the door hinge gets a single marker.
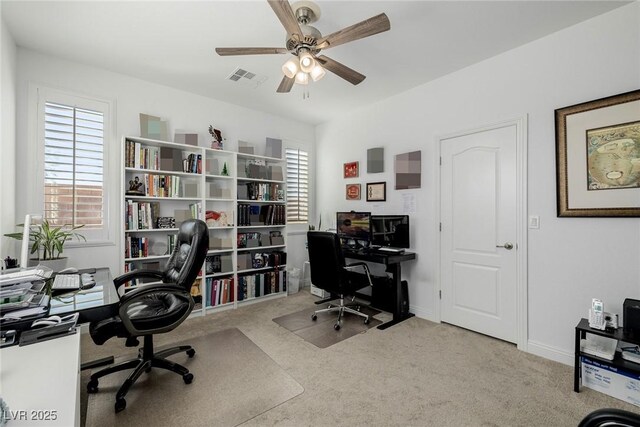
(440, 161)
(440, 227)
(440, 294)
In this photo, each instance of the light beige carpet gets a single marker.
(234, 382)
(320, 332)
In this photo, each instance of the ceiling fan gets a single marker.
(305, 43)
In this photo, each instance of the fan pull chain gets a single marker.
(305, 93)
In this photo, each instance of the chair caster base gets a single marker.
(120, 405)
(191, 353)
(92, 386)
(366, 321)
(336, 326)
(187, 378)
(314, 317)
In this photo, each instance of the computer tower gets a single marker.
(383, 296)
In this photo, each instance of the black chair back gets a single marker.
(192, 245)
(327, 261)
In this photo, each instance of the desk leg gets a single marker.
(398, 316)
(576, 363)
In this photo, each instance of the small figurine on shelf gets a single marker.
(135, 187)
(225, 171)
(217, 143)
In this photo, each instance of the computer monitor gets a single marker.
(25, 249)
(390, 230)
(354, 225)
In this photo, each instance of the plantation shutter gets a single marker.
(73, 166)
(297, 185)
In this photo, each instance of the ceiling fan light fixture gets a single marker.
(291, 68)
(302, 78)
(317, 73)
(306, 61)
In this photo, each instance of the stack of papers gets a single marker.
(596, 345)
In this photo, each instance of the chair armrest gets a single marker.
(364, 266)
(135, 274)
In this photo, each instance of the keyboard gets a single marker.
(25, 276)
(66, 282)
(391, 250)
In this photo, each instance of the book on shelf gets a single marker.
(261, 284)
(219, 291)
(141, 215)
(141, 157)
(192, 164)
(136, 247)
(156, 185)
(260, 191)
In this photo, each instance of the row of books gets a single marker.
(196, 210)
(136, 247)
(261, 215)
(264, 191)
(261, 284)
(141, 157)
(141, 215)
(219, 291)
(161, 185)
(192, 164)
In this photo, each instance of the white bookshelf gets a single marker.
(214, 187)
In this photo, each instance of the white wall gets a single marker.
(132, 96)
(8, 61)
(570, 260)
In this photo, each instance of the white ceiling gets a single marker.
(172, 43)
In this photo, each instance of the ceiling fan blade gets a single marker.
(366, 28)
(285, 85)
(341, 70)
(230, 51)
(283, 10)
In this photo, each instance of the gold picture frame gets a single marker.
(598, 157)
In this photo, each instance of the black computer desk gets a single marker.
(393, 263)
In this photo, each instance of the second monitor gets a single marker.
(390, 230)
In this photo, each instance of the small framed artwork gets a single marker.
(598, 157)
(376, 191)
(353, 191)
(351, 170)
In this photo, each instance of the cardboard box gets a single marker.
(244, 261)
(190, 190)
(226, 263)
(610, 380)
(318, 292)
(220, 242)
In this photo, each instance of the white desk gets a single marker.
(40, 383)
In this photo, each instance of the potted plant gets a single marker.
(48, 242)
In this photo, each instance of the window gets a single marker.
(72, 144)
(297, 185)
(73, 166)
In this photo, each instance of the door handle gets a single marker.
(508, 246)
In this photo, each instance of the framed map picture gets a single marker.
(351, 170)
(598, 157)
(353, 191)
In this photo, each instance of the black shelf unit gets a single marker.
(619, 334)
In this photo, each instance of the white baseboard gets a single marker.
(422, 313)
(549, 352)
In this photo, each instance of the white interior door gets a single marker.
(478, 231)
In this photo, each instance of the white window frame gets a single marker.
(309, 198)
(95, 237)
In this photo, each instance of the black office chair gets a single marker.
(610, 417)
(154, 309)
(330, 272)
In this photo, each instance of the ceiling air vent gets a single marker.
(246, 78)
